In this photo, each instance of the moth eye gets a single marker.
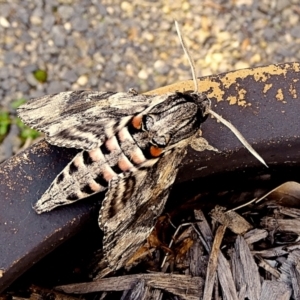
(160, 141)
(148, 122)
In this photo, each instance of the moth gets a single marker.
(131, 145)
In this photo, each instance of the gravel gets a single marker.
(117, 45)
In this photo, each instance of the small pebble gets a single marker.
(4, 23)
(82, 80)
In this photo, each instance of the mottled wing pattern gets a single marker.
(132, 204)
(82, 119)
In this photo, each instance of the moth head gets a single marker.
(165, 124)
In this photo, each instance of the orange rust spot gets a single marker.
(232, 100)
(241, 100)
(293, 91)
(267, 87)
(155, 151)
(137, 122)
(296, 66)
(279, 96)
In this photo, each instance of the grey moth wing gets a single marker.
(81, 119)
(133, 202)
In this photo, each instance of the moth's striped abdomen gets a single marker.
(91, 171)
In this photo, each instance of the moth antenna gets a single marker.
(187, 53)
(238, 135)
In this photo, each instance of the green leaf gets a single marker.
(16, 103)
(4, 123)
(25, 131)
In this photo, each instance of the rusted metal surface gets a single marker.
(263, 103)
